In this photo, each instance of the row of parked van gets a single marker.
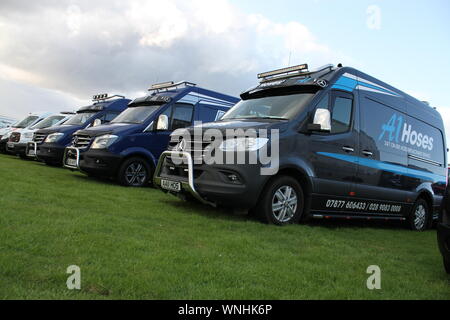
(339, 144)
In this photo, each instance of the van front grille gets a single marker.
(39, 137)
(81, 141)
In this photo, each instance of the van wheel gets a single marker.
(281, 202)
(135, 172)
(419, 216)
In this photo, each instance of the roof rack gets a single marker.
(170, 84)
(104, 96)
(290, 72)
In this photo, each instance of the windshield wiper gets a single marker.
(257, 118)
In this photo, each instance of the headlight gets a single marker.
(103, 142)
(243, 144)
(54, 137)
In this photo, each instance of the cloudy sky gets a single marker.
(55, 54)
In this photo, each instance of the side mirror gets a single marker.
(163, 123)
(322, 121)
(97, 122)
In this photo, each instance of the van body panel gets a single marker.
(384, 151)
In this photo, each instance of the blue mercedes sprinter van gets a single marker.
(128, 148)
(49, 144)
(349, 146)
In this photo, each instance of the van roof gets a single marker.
(116, 104)
(347, 79)
(184, 92)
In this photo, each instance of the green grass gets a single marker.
(144, 244)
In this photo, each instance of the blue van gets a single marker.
(49, 144)
(350, 146)
(128, 148)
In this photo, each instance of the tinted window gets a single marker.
(26, 122)
(48, 122)
(108, 117)
(136, 114)
(341, 115)
(79, 119)
(285, 107)
(182, 116)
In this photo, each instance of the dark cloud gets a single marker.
(81, 48)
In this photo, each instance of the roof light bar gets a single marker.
(101, 96)
(104, 96)
(297, 69)
(170, 84)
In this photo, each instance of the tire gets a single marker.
(420, 216)
(135, 172)
(274, 205)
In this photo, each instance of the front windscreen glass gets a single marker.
(283, 107)
(46, 123)
(79, 119)
(26, 122)
(135, 114)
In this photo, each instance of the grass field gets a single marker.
(144, 244)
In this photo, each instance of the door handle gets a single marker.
(367, 153)
(348, 149)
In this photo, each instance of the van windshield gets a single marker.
(50, 121)
(282, 107)
(79, 119)
(26, 122)
(135, 115)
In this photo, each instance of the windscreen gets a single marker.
(79, 119)
(48, 122)
(270, 107)
(26, 122)
(136, 114)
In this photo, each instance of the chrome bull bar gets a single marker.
(31, 146)
(75, 166)
(185, 186)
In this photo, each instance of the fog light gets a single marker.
(233, 177)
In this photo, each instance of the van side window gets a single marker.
(341, 114)
(182, 116)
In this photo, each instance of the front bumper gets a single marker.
(50, 152)
(16, 148)
(443, 234)
(210, 183)
(3, 145)
(100, 162)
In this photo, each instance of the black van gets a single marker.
(350, 146)
(443, 230)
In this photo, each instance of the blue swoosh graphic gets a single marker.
(389, 167)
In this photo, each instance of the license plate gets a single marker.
(10, 145)
(71, 162)
(31, 152)
(171, 185)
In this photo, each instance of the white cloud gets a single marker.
(80, 48)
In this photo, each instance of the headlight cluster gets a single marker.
(103, 142)
(51, 138)
(243, 144)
